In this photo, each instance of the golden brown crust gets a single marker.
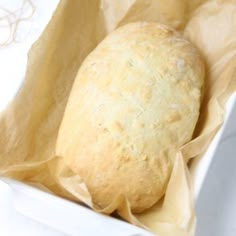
(134, 102)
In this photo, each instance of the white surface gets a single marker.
(13, 58)
(26, 211)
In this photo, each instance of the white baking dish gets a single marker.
(48, 215)
(215, 181)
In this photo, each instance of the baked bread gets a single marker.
(134, 103)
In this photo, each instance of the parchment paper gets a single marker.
(29, 126)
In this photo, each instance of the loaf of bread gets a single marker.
(134, 103)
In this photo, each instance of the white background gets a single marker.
(13, 58)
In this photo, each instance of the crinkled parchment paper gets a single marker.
(29, 125)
